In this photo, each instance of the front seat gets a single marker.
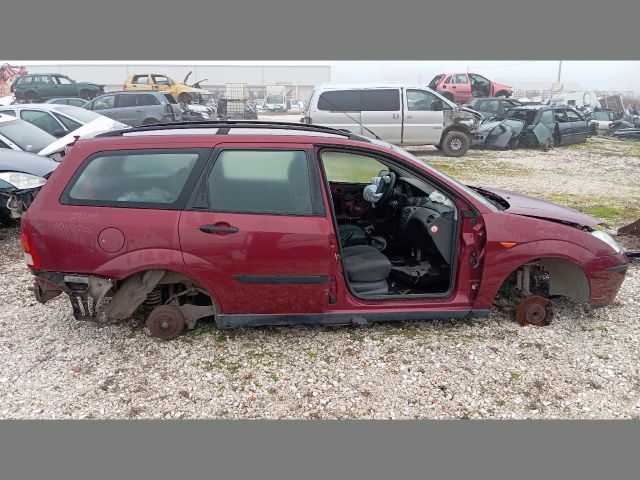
(351, 235)
(367, 269)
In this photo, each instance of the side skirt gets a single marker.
(247, 320)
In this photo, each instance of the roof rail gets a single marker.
(225, 125)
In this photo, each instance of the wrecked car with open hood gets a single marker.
(399, 113)
(22, 175)
(534, 126)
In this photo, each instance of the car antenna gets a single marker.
(356, 121)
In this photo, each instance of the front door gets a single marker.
(579, 127)
(424, 119)
(257, 233)
(564, 129)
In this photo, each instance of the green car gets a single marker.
(41, 86)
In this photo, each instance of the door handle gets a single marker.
(220, 228)
(395, 115)
(138, 111)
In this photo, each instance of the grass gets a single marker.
(598, 206)
(470, 168)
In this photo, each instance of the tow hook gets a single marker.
(633, 255)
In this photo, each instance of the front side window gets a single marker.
(102, 103)
(560, 116)
(42, 120)
(67, 122)
(143, 178)
(573, 116)
(161, 80)
(145, 100)
(261, 181)
(420, 100)
(491, 106)
(347, 167)
(381, 100)
(341, 101)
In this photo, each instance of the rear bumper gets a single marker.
(606, 275)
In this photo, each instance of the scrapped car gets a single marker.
(398, 113)
(36, 87)
(59, 120)
(76, 102)
(532, 126)
(229, 109)
(137, 108)
(492, 107)
(266, 223)
(462, 87)
(21, 176)
(600, 121)
(181, 92)
(16, 134)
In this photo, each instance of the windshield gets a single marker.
(468, 190)
(26, 136)
(82, 115)
(275, 99)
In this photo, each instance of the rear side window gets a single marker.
(340, 101)
(261, 181)
(142, 178)
(146, 100)
(141, 79)
(125, 101)
(546, 117)
(387, 100)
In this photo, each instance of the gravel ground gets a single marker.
(583, 365)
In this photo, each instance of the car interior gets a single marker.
(397, 232)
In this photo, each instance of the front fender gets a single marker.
(501, 262)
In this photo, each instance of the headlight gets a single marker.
(608, 239)
(21, 180)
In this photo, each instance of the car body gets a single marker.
(399, 113)
(491, 107)
(22, 175)
(535, 125)
(462, 87)
(135, 108)
(601, 120)
(41, 86)
(60, 120)
(74, 101)
(155, 81)
(261, 223)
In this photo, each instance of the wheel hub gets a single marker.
(455, 144)
(166, 321)
(534, 310)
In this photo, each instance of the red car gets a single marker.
(462, 87)
(269, 223)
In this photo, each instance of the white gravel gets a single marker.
(583, 365)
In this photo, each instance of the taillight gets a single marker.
(30, 255)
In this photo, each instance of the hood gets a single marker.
(463, 108)
(102, 124)
(16, 161)
(533, 207)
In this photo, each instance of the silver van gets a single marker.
(398, 113)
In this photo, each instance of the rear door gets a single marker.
(256, 231)
(424, 119)
(128, 109)
(338, 109)
(579, 126)
(140, 82)
(382, 113)
(460, 87)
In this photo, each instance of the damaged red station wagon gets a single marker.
(266, 223)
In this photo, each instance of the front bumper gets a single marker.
(15, 202)
(606, 275)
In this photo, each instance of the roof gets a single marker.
(132, 92)
(36, 106)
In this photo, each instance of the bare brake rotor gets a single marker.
(534, 310)
(166, 322)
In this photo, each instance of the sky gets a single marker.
(583, 75)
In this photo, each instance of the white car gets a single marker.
(57, 119)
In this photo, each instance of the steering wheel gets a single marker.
(386, 186)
